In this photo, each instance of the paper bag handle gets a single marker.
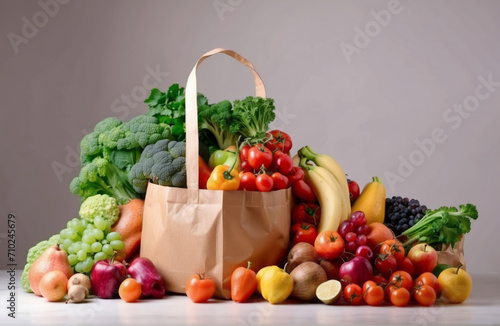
(192, 138)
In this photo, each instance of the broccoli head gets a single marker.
(163, 163)
(103, 177)
(100, 205)
(218, 119)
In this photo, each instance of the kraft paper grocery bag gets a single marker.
(452, 256)
(188, 231)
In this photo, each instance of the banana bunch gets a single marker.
(329, 183)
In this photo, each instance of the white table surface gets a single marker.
(482, 307)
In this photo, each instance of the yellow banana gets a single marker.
(329, 201)
(346, 205)
(331, 165)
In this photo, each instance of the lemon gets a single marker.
(259, 275)
(328, 292)
(276, 285)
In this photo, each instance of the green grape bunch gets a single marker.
(88, 242)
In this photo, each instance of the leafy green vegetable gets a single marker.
(252, 116)
(163, 163)
(445, 225)
(170, 108)
(33, 254)
(100, 205)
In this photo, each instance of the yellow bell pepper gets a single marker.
(224, 177)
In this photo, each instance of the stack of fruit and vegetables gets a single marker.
(345, 243)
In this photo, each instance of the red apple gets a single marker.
(423, 257)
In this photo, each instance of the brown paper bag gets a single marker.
(452, 256)
(188, 231)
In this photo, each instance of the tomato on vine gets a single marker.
(258, 156)
(279, 140)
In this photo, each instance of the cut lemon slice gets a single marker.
(328, 292)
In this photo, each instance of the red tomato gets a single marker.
(306, 212)
(368, 284)
(430, 279)
(248, 181)
(402, 279)
(245, 167)
(258, 156)
(264, 183)
(244, 152)
(386, 264)
(353, 190)
(405, 264)
(379, 280)
(425, 295)
(388, 289)
(373, 294)
(353, 294)
(279, 141)
(296, 175)
(400, 297)
(199, 288)
(303, 191)
(393, 247)
(329, 245)
(283, 162)
(279, 181)
(303, 232)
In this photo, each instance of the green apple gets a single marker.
(225, 157)
(455, 284)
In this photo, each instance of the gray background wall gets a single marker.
(369, 109)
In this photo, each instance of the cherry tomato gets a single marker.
(244, 152)
(393, 247)
(389, 288)
(279, 141)
(405, 264)
(402, 279)
(303, 191)
(329, 244)
(245, 166)
(258, 156)
(353, 294)
(199, 288)
(306, 212)
(425, 295)
(279, 181)
(296, 175)
(130, 290)
(368, 284)
(386, 264)
(248, 181)
(430, 279)
(264, 183)
(283, 162)
(303, 232)
(400, 297)
(379, 280)
(353, 190)
(373, 294)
